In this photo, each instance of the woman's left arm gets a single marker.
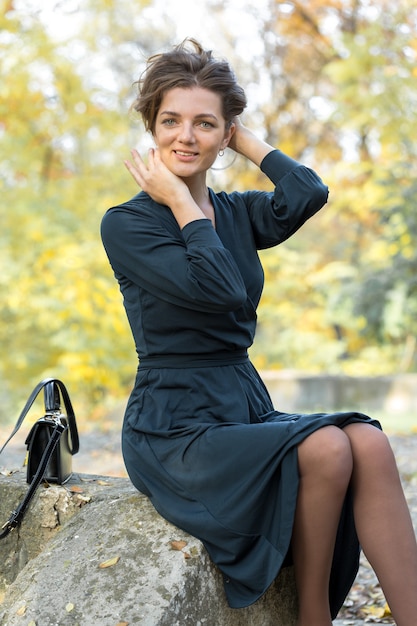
(299, 191)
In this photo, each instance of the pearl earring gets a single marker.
(221, 153)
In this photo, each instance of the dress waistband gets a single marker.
(193, 360)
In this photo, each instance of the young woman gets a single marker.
(201, 438)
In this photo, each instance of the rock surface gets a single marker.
(105, 557)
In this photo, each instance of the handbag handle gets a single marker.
(52, 387)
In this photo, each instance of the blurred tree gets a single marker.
(373, 213)
(58, 174)
(337, 82)
(331, 83)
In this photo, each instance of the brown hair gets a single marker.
(187, 68)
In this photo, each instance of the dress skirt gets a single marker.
(216, 460)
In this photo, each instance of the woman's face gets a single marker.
(190, 130)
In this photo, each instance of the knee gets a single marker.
(370, 446)
(327, 455)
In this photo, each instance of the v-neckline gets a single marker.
(212, 196)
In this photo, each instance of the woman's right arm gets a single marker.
(189, 268)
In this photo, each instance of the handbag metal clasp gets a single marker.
(53, 416)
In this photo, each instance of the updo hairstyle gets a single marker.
(184, 67)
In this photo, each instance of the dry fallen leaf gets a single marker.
(122, 624)
(32, 623)
(178, 545)
(109, 562)
(105, 483)
(375, 611)
(21, 611)
(387, 611)
(187, 555)
(75, 489)
(69, 607)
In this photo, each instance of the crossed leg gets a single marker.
(329, 460)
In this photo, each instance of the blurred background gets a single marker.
(331, 83)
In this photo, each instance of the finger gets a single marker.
(151, 157)
(137, 158)
(134, 172)
(157, 161)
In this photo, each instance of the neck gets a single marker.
(201, 197)
(199, 191)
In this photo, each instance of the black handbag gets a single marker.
(51, 444)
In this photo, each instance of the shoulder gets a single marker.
(235, 200)
(135, 220)
(238, 206)
(140, 208)
(140, 204)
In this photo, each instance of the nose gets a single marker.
(186, 134)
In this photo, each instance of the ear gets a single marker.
(229, 132)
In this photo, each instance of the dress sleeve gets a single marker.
(299, 193)
(189, 268)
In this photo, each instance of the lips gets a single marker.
(185, 154)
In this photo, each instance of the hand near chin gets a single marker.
(154, 177)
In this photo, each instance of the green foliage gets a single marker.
(345, 285)
(62, 314)
(330, 83)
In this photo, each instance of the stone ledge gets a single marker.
(52, 563)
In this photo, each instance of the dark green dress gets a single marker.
(200, 436)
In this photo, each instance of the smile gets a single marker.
(185, 154)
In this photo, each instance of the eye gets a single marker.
(205, 124)
(169, 121)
